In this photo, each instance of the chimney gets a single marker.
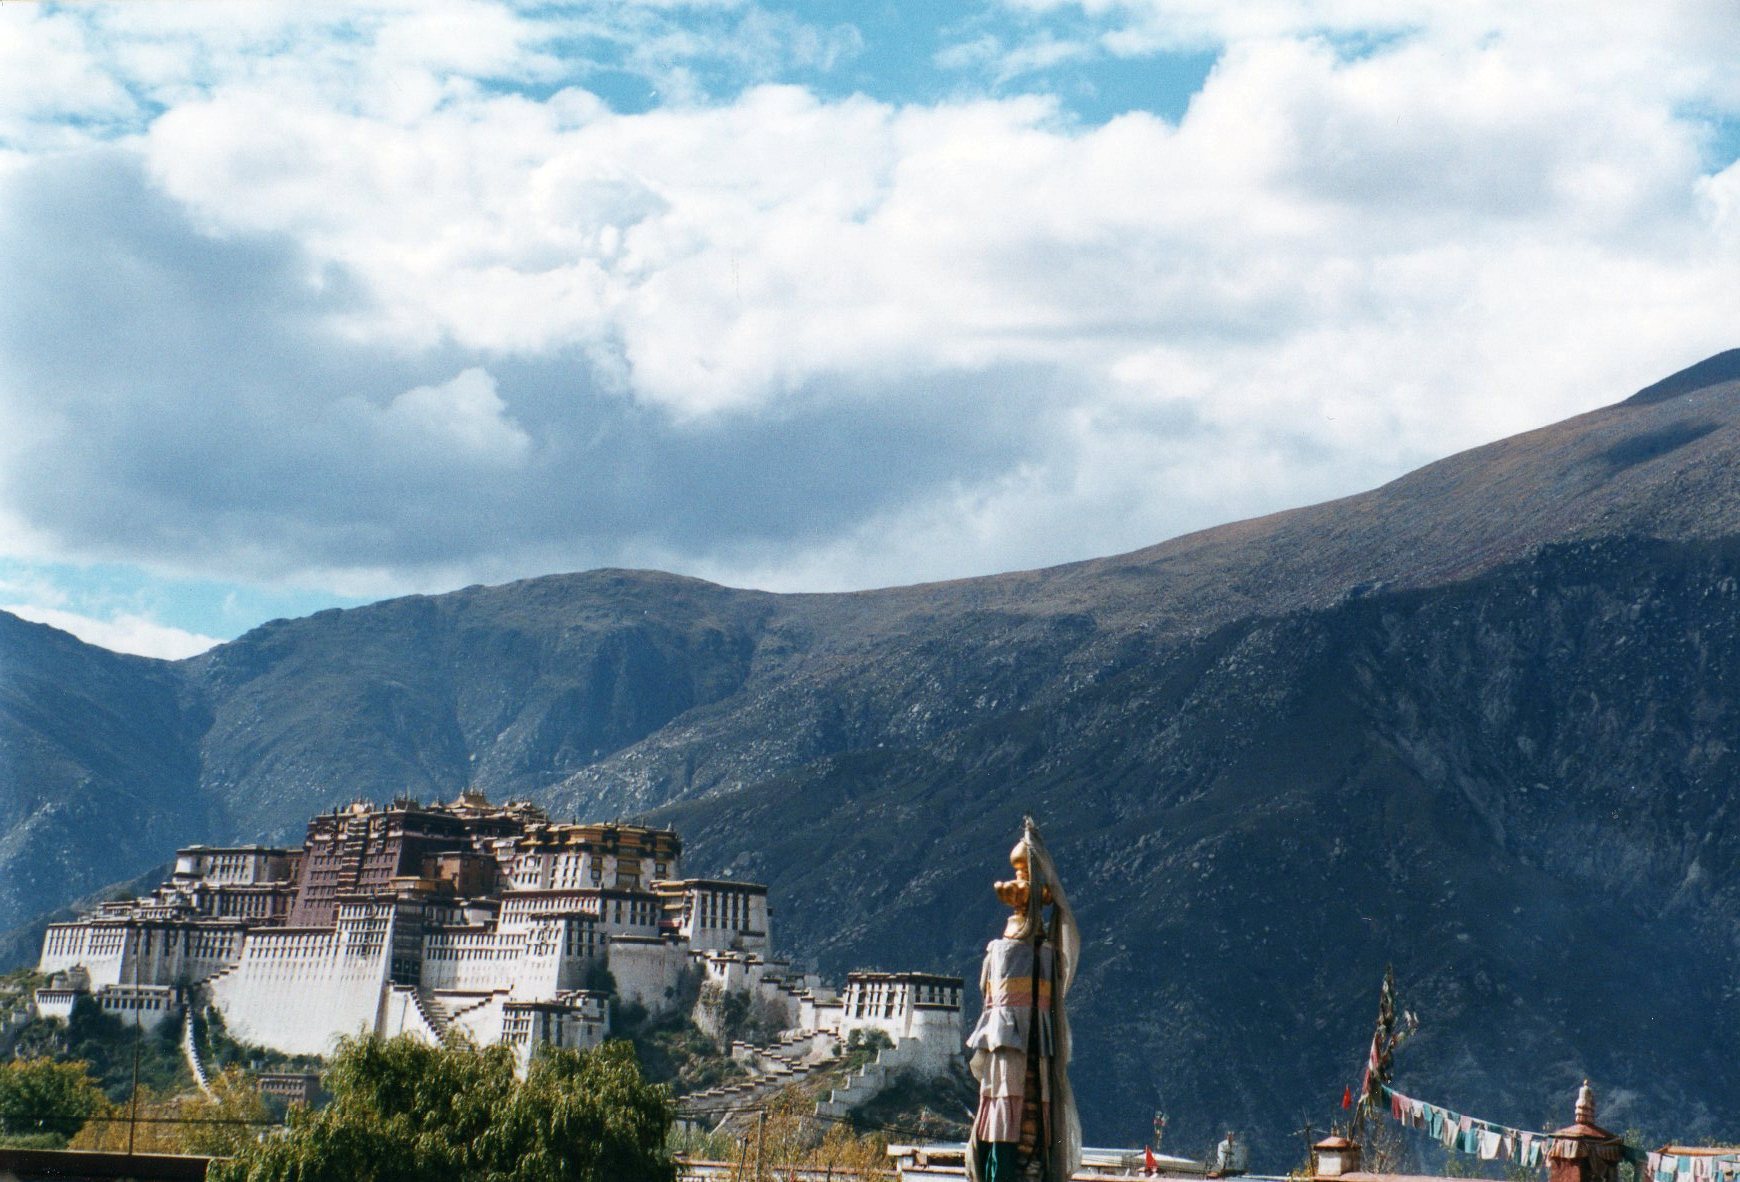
(1583, 1151)
(1334, 1156)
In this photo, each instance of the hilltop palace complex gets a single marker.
(466, 917)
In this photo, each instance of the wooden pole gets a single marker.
(760, 1143)
(133, 1106)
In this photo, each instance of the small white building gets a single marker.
(920, 1010)
(145, 1006)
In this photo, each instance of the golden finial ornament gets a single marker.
(1016, 893)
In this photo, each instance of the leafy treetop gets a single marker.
(403, 1111)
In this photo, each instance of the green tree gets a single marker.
(42, 1096)
(403, 1111)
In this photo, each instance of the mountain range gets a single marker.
(1479, 723)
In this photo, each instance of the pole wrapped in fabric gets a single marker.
(1021, 1044)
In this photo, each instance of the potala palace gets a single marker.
(467, 917)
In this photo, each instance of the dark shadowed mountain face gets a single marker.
(1477, 722)
(99, 765)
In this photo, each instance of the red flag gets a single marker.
(1148, 1162)
(1347, 1097)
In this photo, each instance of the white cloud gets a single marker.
(1337, 265)
(51, 84)
(463, 419)
(1674, 45)
(734, 252)
(123, 633)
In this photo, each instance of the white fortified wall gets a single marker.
(647, 971)
(151, 954)
(470, 959)
(556, 955)
(298, 989)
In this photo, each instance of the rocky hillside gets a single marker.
(1477, 722)
(99, 767)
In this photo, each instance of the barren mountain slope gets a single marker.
(1478, 722)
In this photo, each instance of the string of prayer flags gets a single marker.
(1483, 1138)
(1693, 1167)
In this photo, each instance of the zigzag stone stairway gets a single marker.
(793, 1058)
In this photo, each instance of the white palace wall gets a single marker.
(105, 952)
(556, 955)
(149, 954)
(537, 958)
(470, 960)
(298, 989)
(63, 947)
(647, 970)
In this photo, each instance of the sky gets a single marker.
(310, 305)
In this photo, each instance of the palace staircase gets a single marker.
(793, 1058)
